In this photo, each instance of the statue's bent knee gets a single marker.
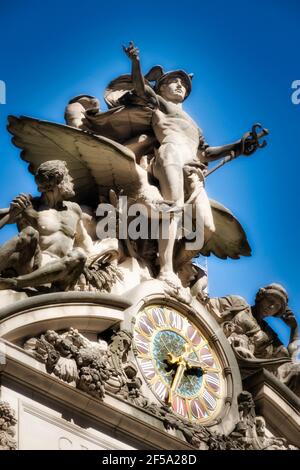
(29, 235)
(75, 259)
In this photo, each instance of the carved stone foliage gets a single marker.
(197, 435)
(249, 433)
(105, 366)
(94, 367)
(99, 275)
(7, 427)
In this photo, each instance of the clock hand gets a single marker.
(178, 377)
(193, 363)
(183, 363)
(190, 363)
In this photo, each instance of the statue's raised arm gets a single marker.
(137, 77)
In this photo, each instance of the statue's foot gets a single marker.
(173, 287)
(170, 278)
(7, 283)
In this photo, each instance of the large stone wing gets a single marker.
(96, 164)
(229, 240)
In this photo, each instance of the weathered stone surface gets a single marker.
(149, 150)
(7, 427)
(254, 342)
(159, 161)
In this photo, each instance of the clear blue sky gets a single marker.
(244, 56)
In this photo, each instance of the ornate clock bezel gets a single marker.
(210, 330)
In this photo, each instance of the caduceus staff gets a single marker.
(250, 143)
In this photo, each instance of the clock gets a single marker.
(178, 363)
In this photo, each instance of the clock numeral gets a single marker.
(176, 321)
(193, 335)
(213, 381)
(210, 401)
(142, 344)
(179, 406)
(145, 325)
(147, 368)
(161, 390)
(158, 316)
(198, 410)
(206, 356)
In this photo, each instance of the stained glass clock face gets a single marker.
(178, 364)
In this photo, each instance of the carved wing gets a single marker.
(229, 239)
(96, 164)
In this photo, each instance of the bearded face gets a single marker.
(54, 181)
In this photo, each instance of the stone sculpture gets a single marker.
(53, 246)
(95, 367)
(105, 367)
(145, 149)
(251, 429)
(159, 161)
(254, 342)
(7, 427)
(182, 154)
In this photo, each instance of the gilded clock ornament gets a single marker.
(178, 363)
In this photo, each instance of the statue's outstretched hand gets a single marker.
(132, 52)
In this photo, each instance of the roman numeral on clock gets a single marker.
(161, 390)
(145, 325)
(179, 406)
(176, 321)
(147, 368)
(209, 400)
(142, 345)
(158, 316)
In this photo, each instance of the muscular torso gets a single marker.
(57, 228)
(172, 124)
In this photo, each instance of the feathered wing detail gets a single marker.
(229, 240)
(96, 164)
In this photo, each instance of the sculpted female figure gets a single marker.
(254, 342)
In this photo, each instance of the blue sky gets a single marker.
(244, 58)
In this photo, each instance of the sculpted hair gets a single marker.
(55, 172)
